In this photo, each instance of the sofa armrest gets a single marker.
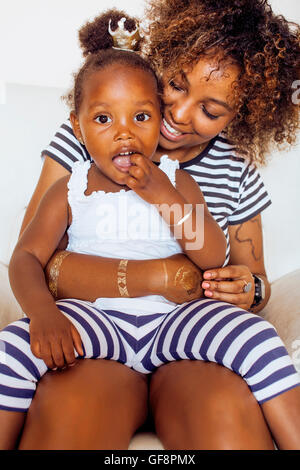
(9, 307)
(283, 311)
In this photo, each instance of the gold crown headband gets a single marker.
(122, 38)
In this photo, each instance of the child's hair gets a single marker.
(97, 45)
(266, 48)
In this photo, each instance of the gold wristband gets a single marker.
(165, 274)
(54, 271)
(122, 279)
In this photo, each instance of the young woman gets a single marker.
(228, 70)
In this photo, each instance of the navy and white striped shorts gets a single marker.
(203, 329)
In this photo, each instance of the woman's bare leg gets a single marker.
(97, 404)
(202, 405)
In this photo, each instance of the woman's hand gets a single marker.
(182, 279)
(53, 338)
(227, 284)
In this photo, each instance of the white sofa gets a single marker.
(29, 116)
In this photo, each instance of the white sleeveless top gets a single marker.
(120, 225)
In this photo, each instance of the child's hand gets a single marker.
(53, 339)
(149, 181)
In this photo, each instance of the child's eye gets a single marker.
(141, 117)
(103, 119)
(209, 115)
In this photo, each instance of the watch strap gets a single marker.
(259, 292)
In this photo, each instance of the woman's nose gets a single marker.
(181, 111)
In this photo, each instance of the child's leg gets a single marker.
(20, 369)
(10, 428)
(219, 332)
(243, 342)
(18, 374)
(283, 417)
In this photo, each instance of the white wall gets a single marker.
(38, 38)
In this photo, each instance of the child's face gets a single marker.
(119, 114)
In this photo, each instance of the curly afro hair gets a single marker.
(97, 48)
(266, 48)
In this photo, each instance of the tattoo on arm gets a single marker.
(239, 238)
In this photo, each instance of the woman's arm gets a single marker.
(246, 258)
(51, 172)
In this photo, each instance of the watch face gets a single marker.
(263, 289)
(260, 290)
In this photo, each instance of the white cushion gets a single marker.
(145, 441)
(9, 307)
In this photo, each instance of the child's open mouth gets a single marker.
(122, 160)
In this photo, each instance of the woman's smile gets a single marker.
(169, 132)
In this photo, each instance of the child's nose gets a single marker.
(123, 131)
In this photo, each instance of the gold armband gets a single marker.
(122, 279)
(54, 271)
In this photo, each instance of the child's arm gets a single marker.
(199, 235)
(200, 232)
(52, 336)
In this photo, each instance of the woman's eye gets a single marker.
(103, 119)
(175, 86)
(209, 115)
(141, 117)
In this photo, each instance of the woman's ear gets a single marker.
(76, 127)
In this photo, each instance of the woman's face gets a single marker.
(198, 104)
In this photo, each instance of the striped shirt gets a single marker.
(232, 187)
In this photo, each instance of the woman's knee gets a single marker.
(192, 380)
(203, 405)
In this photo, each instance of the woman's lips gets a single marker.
(170, 133)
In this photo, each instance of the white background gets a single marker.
(38, 38)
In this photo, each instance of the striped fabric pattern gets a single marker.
(232, 187)
(203, 329)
